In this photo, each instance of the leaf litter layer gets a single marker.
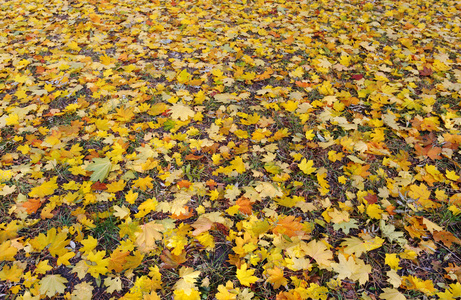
(230, 150)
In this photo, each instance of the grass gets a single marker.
(106, 232)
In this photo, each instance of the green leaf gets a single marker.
(169, 124)
(100, 168)
(346, 226)
(286, 237)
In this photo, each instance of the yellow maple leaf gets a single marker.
(391, 294)
(394, 279)
(81, 269)
(121, 212)
(43, 267)
(245, 275)
(97, 264)
(452, 175)
(152, 296)
(352, 269)
(88, 245)
(12, 274)
(324, 186)
(150, 232)
(183, 76)
(113, 284)
(310, 134)
(276, 277)
(320, 253)
(131, 197)
(299, 72)
(64, 258)
(45, 189)
(260, 134)
(335, 215)
(144, 183)
(414, 283)
(181, 112)
(392, 261)
(58, 244)
(241, 134)
(7, 252)
(125, 114)
(359, 246)
(335, 156)
(51, 285)
(146, 207)
(157, 109)
(106, 60)
(73, 46)
(12, 119)
(374, 211)
(227, 292)
(189, 275)
(202, 224)
(290, 105)
(186, 294)
(83, 291)
(249, 119)
(232, 192)
(116, 186)
(307, 166)
(238, 165)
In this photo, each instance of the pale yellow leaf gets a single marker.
(51, 285)
(392, 294)
(319, 251)
(181, 112)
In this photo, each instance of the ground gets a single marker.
(230, 149)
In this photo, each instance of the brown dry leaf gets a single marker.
(447, 238)
(202, 224)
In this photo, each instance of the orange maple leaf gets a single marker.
(184, 184)
(117, 260)
(184, 215)
(211, 183)
(171, 261)
(32, 205)
(447, 238)
(429, 151)
(288, 225)
(193, 157)
(390, 210)
(245, 205)
(266, 75)
(289, 40)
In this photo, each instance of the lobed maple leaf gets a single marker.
(45, 189)
(307, 166)
(276, 277)
(245, 275)
(101, 168)
(288, 225)
(208, 130)
(51, 285)
(354, 269)
(319, 251)
(181, 112)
